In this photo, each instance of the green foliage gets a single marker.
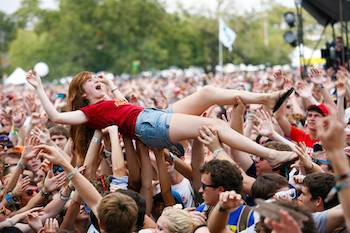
(110, 34)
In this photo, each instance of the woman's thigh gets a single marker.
(183, 126)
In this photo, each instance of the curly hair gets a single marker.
(224, 173)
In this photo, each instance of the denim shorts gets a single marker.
(152, 127)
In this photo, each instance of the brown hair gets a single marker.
(266, 185)
(59, 130)
(117, 212)
(81, 134)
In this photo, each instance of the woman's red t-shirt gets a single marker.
(113, 112)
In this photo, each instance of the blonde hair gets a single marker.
(179, 221)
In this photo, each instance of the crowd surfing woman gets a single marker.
(89, 105)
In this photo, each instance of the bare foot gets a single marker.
(274, 97)
(277, 158)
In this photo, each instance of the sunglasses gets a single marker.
(204, 186)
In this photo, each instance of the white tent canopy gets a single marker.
(18, 77)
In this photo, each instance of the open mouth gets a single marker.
(98, 87)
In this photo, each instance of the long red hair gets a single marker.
(81, 134)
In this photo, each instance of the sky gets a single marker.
(10, 6)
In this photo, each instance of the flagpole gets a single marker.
(220, 56)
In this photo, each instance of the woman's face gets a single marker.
(94, 90)
(162, 225)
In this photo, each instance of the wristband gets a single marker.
(45, 195)
(72, 174)
(107, 153)
(342, 177)
(217, 151)
(337, 188)
(63, 197)
(9, 198)
(114, 89)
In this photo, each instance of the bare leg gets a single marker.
(198, 102)
(184, 126)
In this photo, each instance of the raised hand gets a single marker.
(230, 200)
(34, 221)
(238, 107)
(28, 153)
(21, 186)
(279, 78)
(265, 123)
(304, 159)
(317, 77)
(54, 182)
(32, 140)
(331, 131)
(33, 79)
(209, 137)
(304, 89)
(52, 153)
(287, 224)
(43, 135)
(51, 225)
(103, 79)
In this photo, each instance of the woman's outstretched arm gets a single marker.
(70, 118)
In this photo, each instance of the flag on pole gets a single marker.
(226, 35)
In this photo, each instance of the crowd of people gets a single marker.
(246, 152)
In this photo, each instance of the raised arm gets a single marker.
(164, 178)
(118, 164)
(70, 118)
(329, 129)
(86, 190)
(283, 121)
(266, 128)
(228, 201)
(236, 123)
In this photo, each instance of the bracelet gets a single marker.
(342, 176)
(107, 153)
(21, 165)
(217, 151)
(116, 88)
(9, 198)
(337, 188)
(72, 174)
(45, 195)
(96, 140)
(63, 197)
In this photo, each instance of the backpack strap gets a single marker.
(243, 220)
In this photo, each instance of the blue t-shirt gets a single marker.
(233, 218)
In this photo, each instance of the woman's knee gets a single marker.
(207, 90)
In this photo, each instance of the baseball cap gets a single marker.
(320, 108)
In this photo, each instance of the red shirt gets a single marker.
(113, 112)
(299, 135)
